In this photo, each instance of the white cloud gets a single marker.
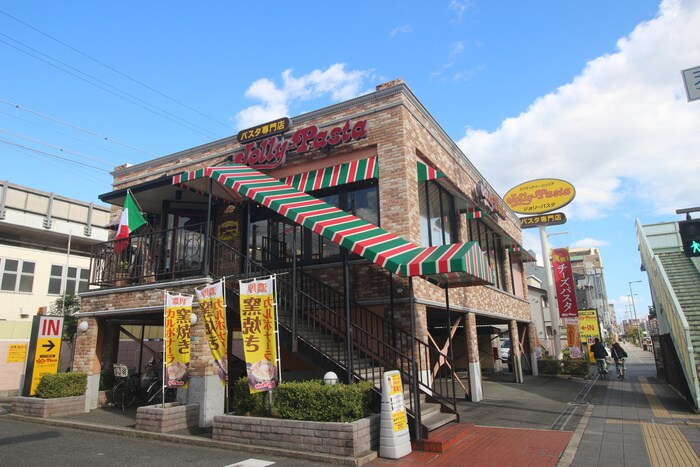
(459, 7)
(405, 29)
(334, 83)
(456, 48)
(621, 131)
(589, 242)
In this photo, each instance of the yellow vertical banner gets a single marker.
(178, 312)
(588, 328)
(212, 309)
(258, 328)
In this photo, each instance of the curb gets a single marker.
(203, 442)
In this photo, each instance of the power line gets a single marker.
(116, 71)
(104, 86)
(53, 155)
(49, 145)
(70, 125)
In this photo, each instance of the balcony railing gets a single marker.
(149, 257)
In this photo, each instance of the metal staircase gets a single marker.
(313, 319)
(685, 282)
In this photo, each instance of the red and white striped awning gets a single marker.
(349, 172)
(449, 265)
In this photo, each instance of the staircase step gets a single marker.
(436, 420)
(444, 438)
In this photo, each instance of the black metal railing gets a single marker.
(148, 257)
(377, 345)
(309, 309)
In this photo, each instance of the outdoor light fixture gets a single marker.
(83, 326)
(330, 378)
(193, 319)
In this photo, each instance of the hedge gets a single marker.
(307, 400)
(567, 366)
(53, 386)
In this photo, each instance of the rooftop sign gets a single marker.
(540, 196)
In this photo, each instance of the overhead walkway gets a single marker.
(675, 284)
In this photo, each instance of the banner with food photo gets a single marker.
(212, 309)
(259, 330)
(178, 313)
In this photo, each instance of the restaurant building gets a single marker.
(389, 248)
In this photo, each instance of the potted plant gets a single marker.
(121, 278)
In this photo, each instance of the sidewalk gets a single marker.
(553, 421)
(640, 421)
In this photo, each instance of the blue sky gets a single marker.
(589, 92)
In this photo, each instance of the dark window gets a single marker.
(17, 276)
(438, 216)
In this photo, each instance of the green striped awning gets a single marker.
(426, 172)
(349, 172)
(448, 265)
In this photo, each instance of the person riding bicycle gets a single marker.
(599, 353)
(619, 355)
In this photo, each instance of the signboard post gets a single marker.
(44, 351)
(394, 437)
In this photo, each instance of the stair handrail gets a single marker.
(666, 296)
(426, 353)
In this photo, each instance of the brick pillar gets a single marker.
(515, 350)
(475, 387)
(85, 360)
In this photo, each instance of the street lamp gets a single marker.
(634, 310)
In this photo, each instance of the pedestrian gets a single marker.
(619, 355)
(599, 353)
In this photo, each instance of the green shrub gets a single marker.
(577, 367)
(315, 401)
(52, 386)
(243, 402)
(549, 367)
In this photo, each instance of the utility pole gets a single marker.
(634, 310)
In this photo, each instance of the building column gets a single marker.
(203, 384)
(85, 360)
(475, 386)
(515, 350)
(532, 346)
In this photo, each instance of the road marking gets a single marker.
(251, 463)
(666, 446)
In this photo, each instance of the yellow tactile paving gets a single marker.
(666, 446)
(657, 408)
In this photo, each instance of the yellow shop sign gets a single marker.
(540, 196)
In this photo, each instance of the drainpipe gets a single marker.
(348, 327)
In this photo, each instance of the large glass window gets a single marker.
(75, 280)
(17, 275)
(270, 235)
(438, 216)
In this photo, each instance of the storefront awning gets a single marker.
(449, 265)
(349, 172)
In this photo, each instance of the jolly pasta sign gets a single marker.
(540, 196)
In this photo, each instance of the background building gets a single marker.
(45, 247)
(587, 267)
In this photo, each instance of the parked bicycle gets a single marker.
(129, 387)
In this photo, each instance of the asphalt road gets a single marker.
(35, 444)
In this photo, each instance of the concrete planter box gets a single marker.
(47, 408)
(340, 439)
(164, 419)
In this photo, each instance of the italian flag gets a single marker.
(130, 220)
